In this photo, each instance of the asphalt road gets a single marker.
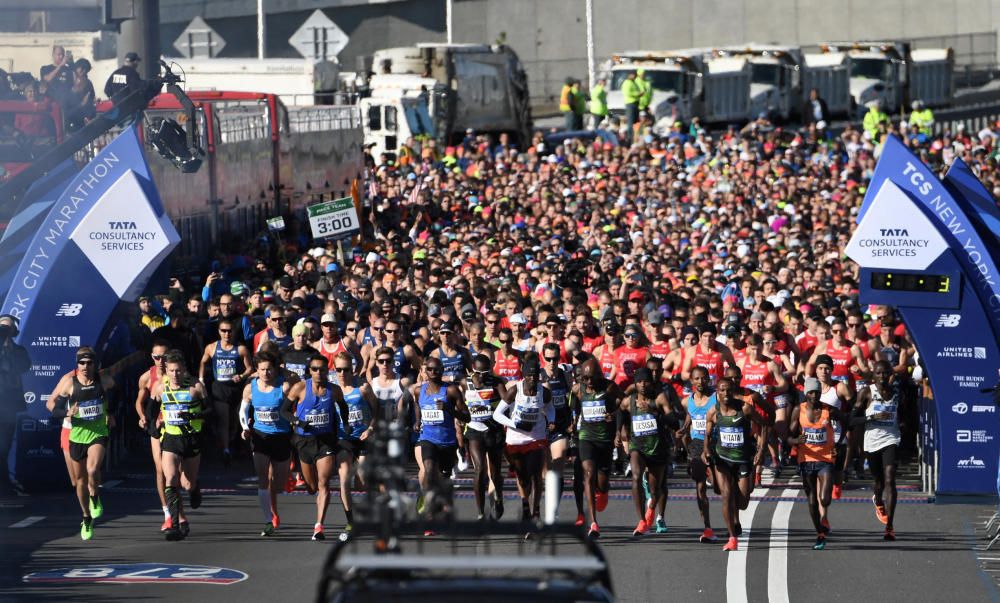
(932, 560)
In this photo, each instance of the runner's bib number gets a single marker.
(318, 419)
(781, 400)
(355, 416)
(815, 435)
(594, 412)
(731, 437)
(90, 409)
(644, 425)
(172, 415)
(698, 426)
(527, 414)
(432, 416)
(265, 416)
(886, 408)
(480, 413)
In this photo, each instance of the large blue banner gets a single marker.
(98, 245)
(906, 216)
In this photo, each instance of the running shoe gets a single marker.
(595, 530)
(890, 535)
(837, 490)
(196, 497)
(184, 528)
(757, 480)
(641, 528)
(429, 533)
(498, 508)
(290, 484)
(87, 528)
(268, 530)
(275, 521)
(708, 536)
(661, 526)
(318, 533)
(462, 464)
(825, 523)
(601, 501)
(650, 516)
(166, 525)
(173, 534)
(820, 542)
(420, 503)
(96, 507)
(880, 513)
(579, 521)
(300, 483)
(733, 544)
(645, 486)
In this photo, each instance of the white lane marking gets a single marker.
(111, 484)
(27, 521)
(736, 566)
(777, 556)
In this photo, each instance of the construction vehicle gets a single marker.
(896, 75)
(438, 91)
(686, 83)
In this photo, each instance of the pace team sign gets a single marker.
(334, 219)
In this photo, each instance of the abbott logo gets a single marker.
(963, 435)
(971, 463)
(960, 408)
(949, 321)
(69, 310)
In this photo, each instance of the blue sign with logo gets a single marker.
(140, 573)
(920, 251)
(98, 244)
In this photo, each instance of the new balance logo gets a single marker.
(972, 462)
(949, 321)
(69, 310)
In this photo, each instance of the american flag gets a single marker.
(372, 187)
(415, 193)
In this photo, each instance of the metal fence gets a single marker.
(973, 117)
(323, 118)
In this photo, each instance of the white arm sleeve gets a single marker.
(500, 416)
(245, 414)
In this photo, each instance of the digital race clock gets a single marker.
(905, 281)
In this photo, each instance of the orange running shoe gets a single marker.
(579, 521)
(837, 490)
(732, 544)
(641, 528)
(880, 513)
(275, 521)
(601, 501)
(650, 517)
(166, 525)
(708, 536)
(595, 530)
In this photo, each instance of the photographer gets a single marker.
(14, 362)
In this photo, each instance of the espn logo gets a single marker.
(948, 321)
(69, 310)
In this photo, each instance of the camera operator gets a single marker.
(14, 362)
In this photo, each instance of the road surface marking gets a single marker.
(27, 521)
(111, 484)
(777, 556)
(736, 567)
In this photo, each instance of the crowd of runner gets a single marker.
(685, 301)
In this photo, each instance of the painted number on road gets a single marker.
(335, 218)
(141, 573)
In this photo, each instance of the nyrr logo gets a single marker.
(69, 310)
(949, 321)
(960, 408)
(971, 463)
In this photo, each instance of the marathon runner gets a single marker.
(761, 374)
(183, 404)
(438, 404)
(507, 359)
(698, 403)
(406, 359)
(527, 412)
(811, 429)
(388, 388)
(880, 404)
(86, 398)
(596, 399)
(646, 415)
(316, 410)
(732, 451)
(225, 358)
(355, 431)
(710, 354)
(558, 381)
(148, 423)
(836, 394)
(455, 360)
(295, 357)
(485, 437)
(269, 434)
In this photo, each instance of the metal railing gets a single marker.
(927, 442)
(974, 117)
(320, 99)
(322, 118)
(240, 124)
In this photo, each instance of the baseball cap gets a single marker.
(237, 288)
(132, 56)
(518, 319)
(811, 385)
(446, 328)
(635, 295)
(327, 319)
(654, 318)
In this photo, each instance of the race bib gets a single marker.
(886, 408)
(781, 401)
(815, 435)
(559, 399)
(355, 416)
(698, 426)
(594, 411)
(525, 414)
(760, 388)
(265, 416)
(731, 437)
(226, 369)
(432, 416)
(643, 425)
(318, 419)
(172, 415)
(860, 385)
(90, 409)
(480, 413)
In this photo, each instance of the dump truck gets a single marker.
(439, 91)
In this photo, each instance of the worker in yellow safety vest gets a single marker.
(873, 118)
(647, 90)
(922, 118)
(631, 93)
(598, 103)
(567, 103)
